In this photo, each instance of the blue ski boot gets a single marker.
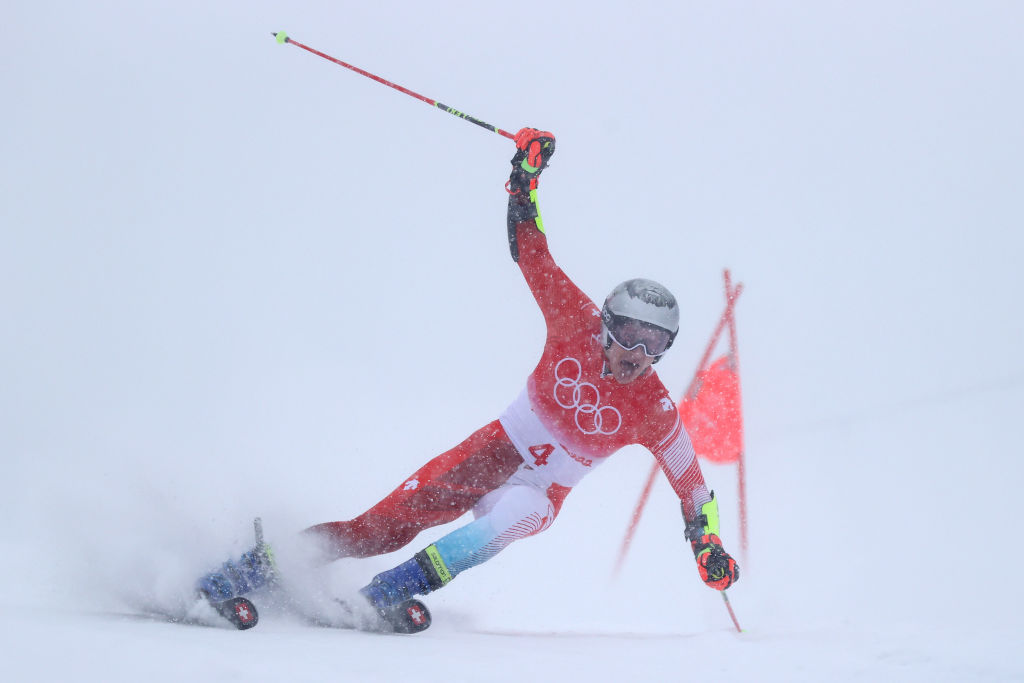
(254, 569)
(391, 593)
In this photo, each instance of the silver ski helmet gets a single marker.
(648, 303)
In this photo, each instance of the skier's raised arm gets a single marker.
(560, 300)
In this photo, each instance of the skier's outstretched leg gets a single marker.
(438, 493)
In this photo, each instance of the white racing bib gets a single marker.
(545, 461)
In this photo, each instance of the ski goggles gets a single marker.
(630, 333)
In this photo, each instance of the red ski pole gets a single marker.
(283, 38)
(732, 614)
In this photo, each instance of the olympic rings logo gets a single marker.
(583, 397)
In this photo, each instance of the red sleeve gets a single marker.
(678, 461)
(562, 302)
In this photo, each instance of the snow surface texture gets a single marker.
(238, 280)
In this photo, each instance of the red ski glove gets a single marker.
(716, 567)
(538, 146)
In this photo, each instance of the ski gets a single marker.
(240, 612)
(405, 618)
(411, 616)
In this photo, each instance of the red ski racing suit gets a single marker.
(515, 472)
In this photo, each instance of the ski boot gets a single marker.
(390, 595)
(224, 588)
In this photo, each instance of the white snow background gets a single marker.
(239, 280)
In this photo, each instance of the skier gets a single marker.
(593, 392)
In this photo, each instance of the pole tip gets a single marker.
(282, 37)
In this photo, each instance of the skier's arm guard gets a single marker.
(533, 151)
(522, 207)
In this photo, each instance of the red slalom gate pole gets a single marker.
(731, 295)
(283, 38)
(741, 467)
(634, 521)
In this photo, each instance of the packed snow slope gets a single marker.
(239, 280)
